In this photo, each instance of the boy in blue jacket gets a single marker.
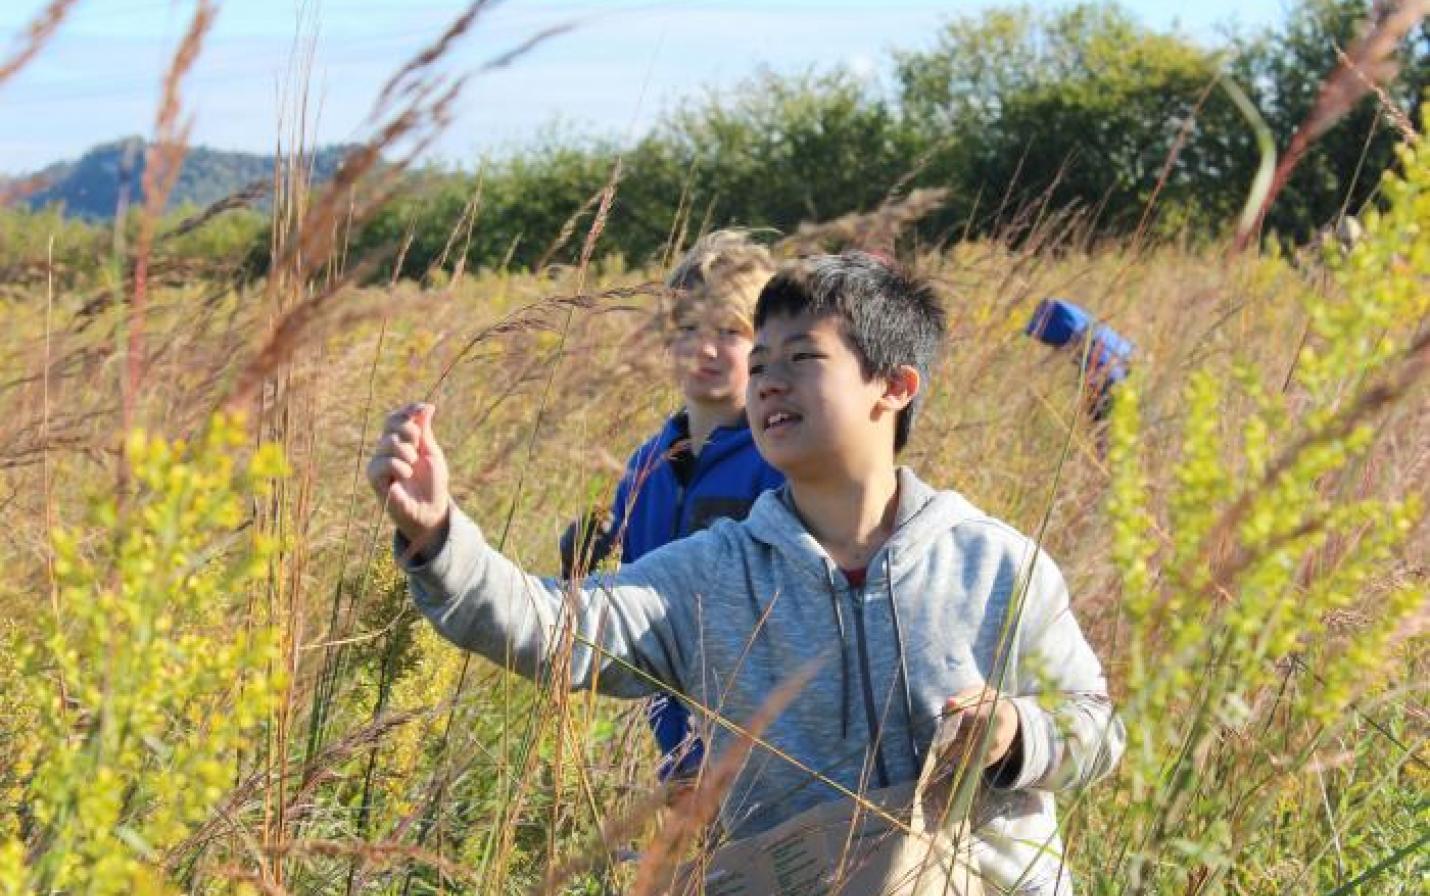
(916, 604)
(703, 465)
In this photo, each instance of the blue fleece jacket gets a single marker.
(728, 615)
(669, 493)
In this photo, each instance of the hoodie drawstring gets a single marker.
(903, 663)
(843, 653)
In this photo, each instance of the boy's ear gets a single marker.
(900, 387)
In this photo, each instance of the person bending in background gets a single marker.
(1102, 354)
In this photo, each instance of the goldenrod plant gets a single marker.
(1274, 525)
(140, 696)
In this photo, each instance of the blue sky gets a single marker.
(625, 61)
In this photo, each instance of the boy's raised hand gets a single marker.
(409, 474)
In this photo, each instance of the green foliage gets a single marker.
(1343, 167)
(523, 205)
(229, 237)
(785, 150)
(25, 249)
(83, 253)
(1267, 536)
(1075, 106)
(1016, 110)
(142, 696)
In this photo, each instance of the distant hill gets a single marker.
(89, 187)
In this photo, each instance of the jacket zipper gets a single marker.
(870, 713)
(678, 525)
(679, 509)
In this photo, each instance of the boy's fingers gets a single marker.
(424, 416)
(404, 431)
(392, 445)
(978, 699)
(399, 503)
(383, 472)
(401, 417)
(378, 473)
(396, 418)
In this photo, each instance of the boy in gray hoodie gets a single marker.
(917, 602)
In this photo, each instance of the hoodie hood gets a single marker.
(924, 515)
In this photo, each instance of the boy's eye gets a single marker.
(806, 356)
(756, 369)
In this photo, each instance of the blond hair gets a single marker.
(724, 271)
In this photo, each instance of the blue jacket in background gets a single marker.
(668, 493)
(1064, 324)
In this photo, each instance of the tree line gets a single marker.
(1080, 110)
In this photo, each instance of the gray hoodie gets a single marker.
(728, 615)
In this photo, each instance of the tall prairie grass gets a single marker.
(213, 680)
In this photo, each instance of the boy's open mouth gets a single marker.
(777, 420)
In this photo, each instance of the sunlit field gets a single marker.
(213, 679)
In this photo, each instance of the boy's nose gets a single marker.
(768, 385)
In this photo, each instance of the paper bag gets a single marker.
(846, 847)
